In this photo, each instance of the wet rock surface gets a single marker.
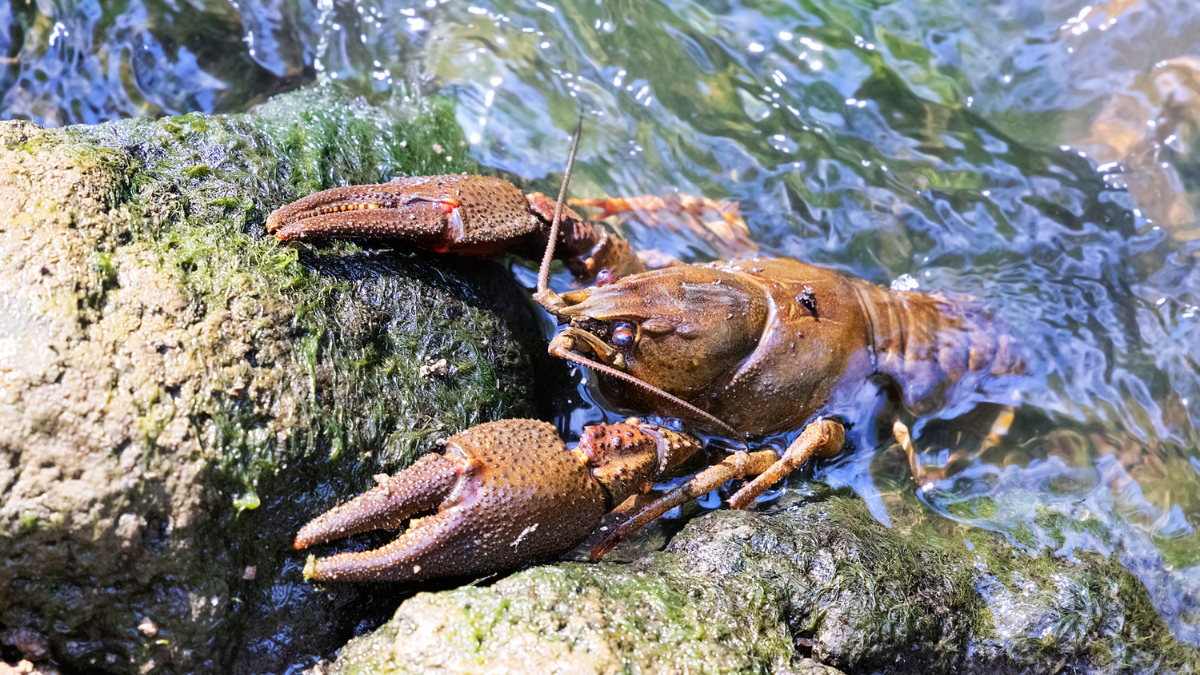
(180, 393)
(794, 588)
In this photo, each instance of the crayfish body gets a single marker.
(765, 344)
(745, 348)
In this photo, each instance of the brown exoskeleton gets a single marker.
(744, 349)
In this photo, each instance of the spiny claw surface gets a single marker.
(507, 493)
(422, 487)
(468, 215)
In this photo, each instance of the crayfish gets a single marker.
(741, 349)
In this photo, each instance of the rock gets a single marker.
(180, 393)
(806, 666)
(798, 587)
(578, 618)
(32, 645)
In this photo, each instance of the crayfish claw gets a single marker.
(467, 215)
(421, 487)
(717, 221)
(506, 494)
(419, 553)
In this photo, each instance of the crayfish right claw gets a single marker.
(506, 494)
(421, 487)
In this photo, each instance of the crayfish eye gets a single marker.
(623, 335)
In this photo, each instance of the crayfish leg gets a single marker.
(585, 247)
(823, 438)
(727, 232)
(904, 438)
(1000, 427)
(1001, 421)
(737, 465)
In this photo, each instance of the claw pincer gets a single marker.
(504, 494)
(467, 215)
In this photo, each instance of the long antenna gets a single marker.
(544, 270)
(543, 282)
(562, 353)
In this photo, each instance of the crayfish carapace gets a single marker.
(742, 349)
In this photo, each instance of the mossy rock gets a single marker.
(792, 588)
(579, 618)
(181, 392)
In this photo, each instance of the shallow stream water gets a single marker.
(1043, 156)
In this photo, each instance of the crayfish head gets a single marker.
(678, 329)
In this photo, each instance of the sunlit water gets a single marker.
(1039, 155)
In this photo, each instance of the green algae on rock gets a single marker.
(577, 618)
(767, 592)
(168, 369)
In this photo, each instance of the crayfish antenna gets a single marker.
(544, 270)
(562, 346)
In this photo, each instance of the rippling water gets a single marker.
(1038, 154)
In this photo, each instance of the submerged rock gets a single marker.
(180, 393)
(789, 589)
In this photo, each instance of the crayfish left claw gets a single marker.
(506, 494)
